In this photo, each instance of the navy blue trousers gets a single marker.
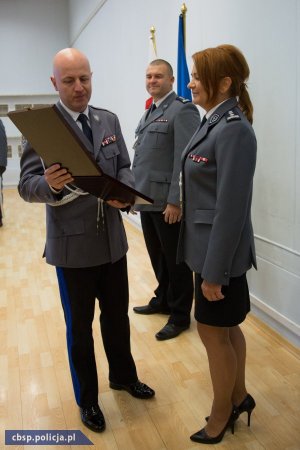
(79, 289)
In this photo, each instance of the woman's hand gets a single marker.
(211, 291)
(172, 214)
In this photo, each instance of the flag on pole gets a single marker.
(183, 77)
(152, 55)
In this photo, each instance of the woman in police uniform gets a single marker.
(216, 236)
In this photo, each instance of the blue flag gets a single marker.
(183, 77)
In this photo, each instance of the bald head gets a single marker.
(72, 78)
(69, 57)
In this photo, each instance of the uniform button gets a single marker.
(226, 274)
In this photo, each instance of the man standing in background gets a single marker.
(3, 164)
(161, 136)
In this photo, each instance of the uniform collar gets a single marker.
(222, 108)
(215, 116)
(212, 110)
(75, 114)
(161, 100)
(147, 119)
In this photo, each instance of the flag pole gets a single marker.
(183, 12)
(151, 57)
(152, 37)
(182, 67)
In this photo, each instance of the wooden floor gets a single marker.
(35, 386)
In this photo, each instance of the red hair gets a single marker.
(213, 64)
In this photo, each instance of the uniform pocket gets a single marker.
(110, 151)
(204, 216)
(73, 228)
(157, 134)
(159, 186)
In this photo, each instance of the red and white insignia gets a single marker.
(108, 140)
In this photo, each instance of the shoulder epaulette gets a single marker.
(101, 109)
(182, 99)
(231, 116)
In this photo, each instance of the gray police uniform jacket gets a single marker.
(160, 140)
(72, 238)
(3, 146)
(216, 238)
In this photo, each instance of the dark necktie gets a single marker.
(204, 119)
(151, 109)
(82, 118)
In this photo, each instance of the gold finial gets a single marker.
(183, 14)
(152, 37)
(183, 9)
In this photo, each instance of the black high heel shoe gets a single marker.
(247, 405)
(203, 438)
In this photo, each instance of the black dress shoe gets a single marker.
(148, 309)
(137, 389)
(93, 418)
(169, 331)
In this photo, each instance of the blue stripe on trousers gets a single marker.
(64, 294)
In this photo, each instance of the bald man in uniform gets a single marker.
(88, 258)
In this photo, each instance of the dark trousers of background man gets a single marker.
(1, 200)
(174, 293)
(79, 288)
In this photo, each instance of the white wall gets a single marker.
(115, 37)
(31, 32)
